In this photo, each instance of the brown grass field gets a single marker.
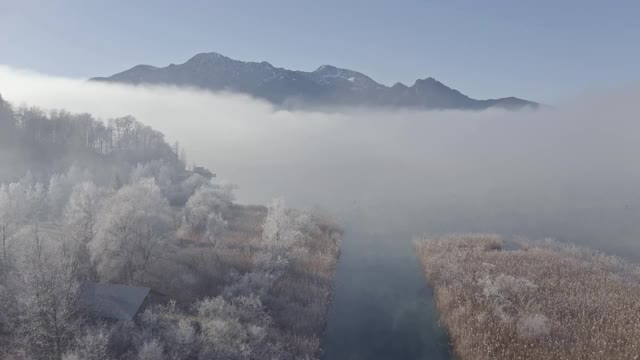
(543, 301)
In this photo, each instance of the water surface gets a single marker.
(382, 307)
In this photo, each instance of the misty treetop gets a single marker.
(48, 142)
(244, 282)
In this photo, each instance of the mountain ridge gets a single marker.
(328, 85)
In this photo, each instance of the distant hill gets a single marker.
(326, 86)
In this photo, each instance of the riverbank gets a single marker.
(543, 301)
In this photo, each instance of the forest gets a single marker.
(525, 299)
(85, 202)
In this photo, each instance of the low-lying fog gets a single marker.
(571, 172)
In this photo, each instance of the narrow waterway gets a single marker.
(382, 307)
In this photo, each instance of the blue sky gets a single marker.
(540, 50)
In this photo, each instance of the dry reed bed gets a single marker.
(543, 301)
(299, 300)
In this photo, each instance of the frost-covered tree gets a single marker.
(194, 182)
(159, 170)
(21, 203)
(9, 223)
(280, 230)
(81, 212)
(80, 225)
(216, 227)
(203, 213)
(132, 231)
(9, 318)
(48, 298)
(7, 122)
(61, 186)
(92, 345)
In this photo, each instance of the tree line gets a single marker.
(47, 142)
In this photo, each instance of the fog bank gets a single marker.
(570, 172)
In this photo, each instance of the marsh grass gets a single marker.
(545, 300)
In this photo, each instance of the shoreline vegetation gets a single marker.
(111, 205)
(544, 300)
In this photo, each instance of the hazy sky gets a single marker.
(542, 50)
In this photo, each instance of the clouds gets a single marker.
(569, 172)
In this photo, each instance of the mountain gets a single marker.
(326, 86)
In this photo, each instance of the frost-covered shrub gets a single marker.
(93, 345)
(175, 329)
(215, 328)
(151, 350)
(257, 283)
(232, 329)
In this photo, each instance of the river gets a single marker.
(382, 307)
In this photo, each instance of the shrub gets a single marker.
(151, 350)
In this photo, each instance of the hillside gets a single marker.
(326, 86)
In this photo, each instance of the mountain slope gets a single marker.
(326, 86)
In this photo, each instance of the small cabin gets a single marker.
(115, 302)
